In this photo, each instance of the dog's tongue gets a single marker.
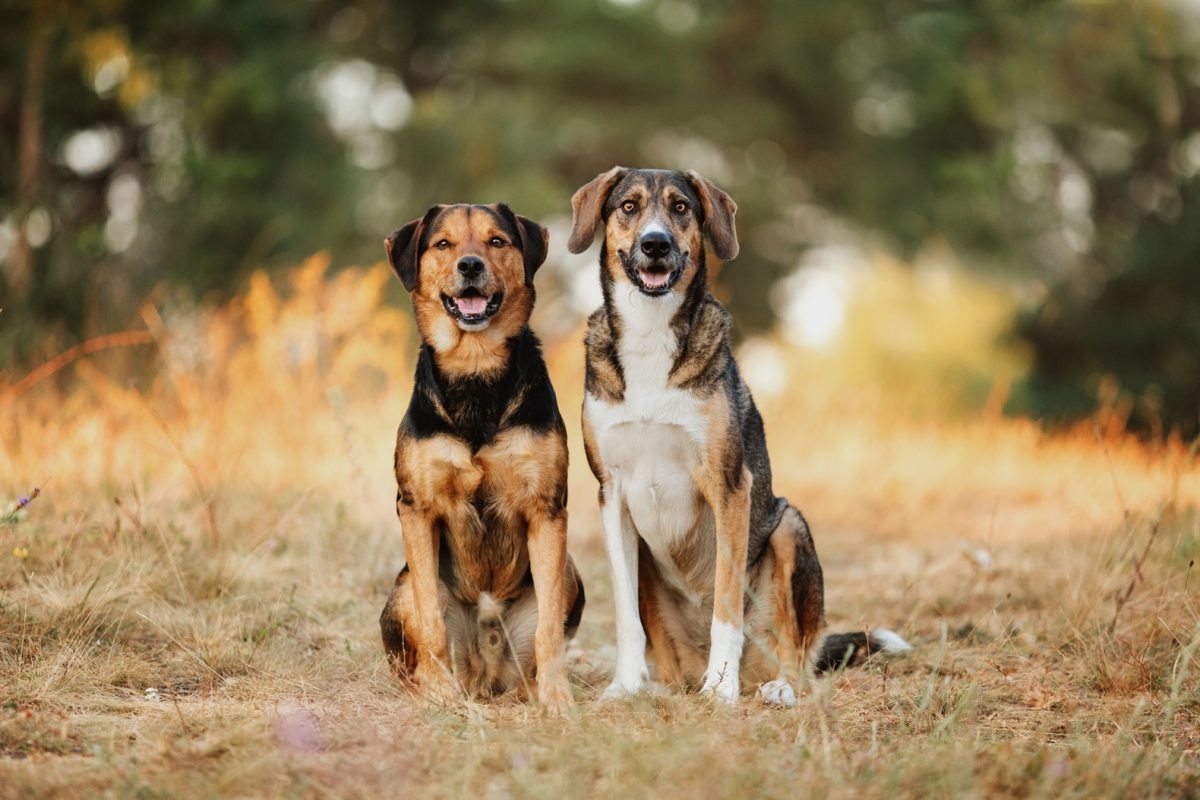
(471, 305)
(655, 279)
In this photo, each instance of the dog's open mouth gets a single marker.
(472, 306)
(657, 279)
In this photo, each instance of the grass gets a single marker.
(189, 608)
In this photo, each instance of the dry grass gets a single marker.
(195, 614)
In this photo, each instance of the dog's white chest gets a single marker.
(647, 351)
(651, 441)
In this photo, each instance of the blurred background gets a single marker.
(988, 207)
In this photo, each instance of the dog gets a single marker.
(489, 594)
(703, 554)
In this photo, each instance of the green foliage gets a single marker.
(1054, 144)
(1139, 327)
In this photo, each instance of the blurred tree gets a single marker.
(180, 146)
(29, 141)
(1053, 143)
(1131, 340)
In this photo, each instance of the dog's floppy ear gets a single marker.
(587, 205)
(719, 209)
(535, 240)
(403, 248)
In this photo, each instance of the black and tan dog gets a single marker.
(703, 553)
(488, 592)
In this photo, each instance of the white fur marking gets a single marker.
(489, 609)
(890, 641)
(631, 673)
(653, 226)
(724, 660)
(777, 693)
(650, 441)
(647, 354)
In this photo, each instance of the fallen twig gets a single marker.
(65, 358)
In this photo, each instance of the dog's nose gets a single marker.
(470, 266)
(655, 244)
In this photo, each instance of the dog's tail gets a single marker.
(840, 650)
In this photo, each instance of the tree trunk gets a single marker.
(29, 145)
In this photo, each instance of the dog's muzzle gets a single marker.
(656, 264)
(472, 305)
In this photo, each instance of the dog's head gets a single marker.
(655, 222)
(470, 268)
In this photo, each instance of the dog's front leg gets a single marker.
(548, 563)
(421, 552)
(730, 501)
(621, 541)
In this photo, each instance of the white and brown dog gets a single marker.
(703, 554)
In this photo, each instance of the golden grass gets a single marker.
(189, 608)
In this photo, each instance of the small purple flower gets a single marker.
(23, 501)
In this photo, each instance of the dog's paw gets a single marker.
(777, 693)
(619, 691)
(554, 696)
(723, 689)
(434, 685)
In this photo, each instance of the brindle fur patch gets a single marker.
(603, 376)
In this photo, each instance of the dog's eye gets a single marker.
(629, 206)
(443, 244)
(496, 241)
(681, 207)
